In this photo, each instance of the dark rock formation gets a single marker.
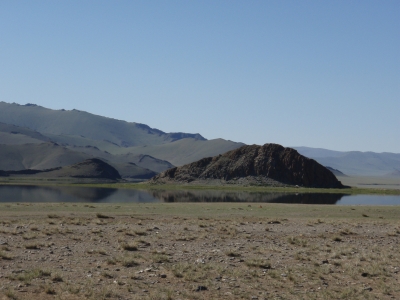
(270, 164)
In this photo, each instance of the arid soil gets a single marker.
(210, 251)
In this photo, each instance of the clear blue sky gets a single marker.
(299, 73)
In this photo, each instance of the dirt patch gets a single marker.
(121, 255)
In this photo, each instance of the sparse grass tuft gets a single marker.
(232, 253)
(28, 276)
(33, 246)
(49, 290)
(57, 278)
(160, 258)
(53, 216)
(259, 263)
(337, 239)
(6, 256)
(129, 262)
(103, 216)
(297, 241)
(129, 246)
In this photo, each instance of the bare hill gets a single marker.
(130, 170)
(395, 174)
(141, 160)
(335, 172)
(49, 156)
(355, 163)
(270, 164)
(15, 135)
(80, 123)
(126, 146)
(37, 156)
(90, 168)
(184, 151)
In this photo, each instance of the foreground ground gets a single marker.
(198, 251)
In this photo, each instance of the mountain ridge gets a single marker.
(136, 150)
(76, 122)
(120, 143)
(355, 163)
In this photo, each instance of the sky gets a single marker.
(322, 74)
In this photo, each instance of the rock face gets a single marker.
(270, 164)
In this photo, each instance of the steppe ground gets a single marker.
(198, 251)
(371, 182)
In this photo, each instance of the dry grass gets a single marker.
(220, 251)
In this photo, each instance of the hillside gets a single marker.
(87, 125)
(141, 160)
(15, 135)
(90, 168)
(355, 162)
(184, 151)
(37, 156)
(135, 150)
(49, 156)
(267, 165)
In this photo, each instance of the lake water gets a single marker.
(107, 195)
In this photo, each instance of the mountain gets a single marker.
(49, 156)
(141, 160)
(184, 151)
(37, 156)
(355, 162)
(317, 152)
(270, 165)
(15, 135)
(135, 150)
(89, 168)
(79, 123)
(335, 172)
(395, 173)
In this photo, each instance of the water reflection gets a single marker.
(14, 193)
(226, 196)
(53, 194)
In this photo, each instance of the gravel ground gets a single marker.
(121, 255)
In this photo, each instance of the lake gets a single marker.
(53, 194)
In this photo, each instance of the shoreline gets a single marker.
(353, 190)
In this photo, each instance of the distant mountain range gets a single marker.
(74, 125)
(356, 162)
(34, 137)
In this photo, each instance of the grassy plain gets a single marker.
(371, 182)
(198, 251)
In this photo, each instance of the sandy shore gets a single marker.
(198, 251)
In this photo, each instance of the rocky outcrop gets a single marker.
(270, 164)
